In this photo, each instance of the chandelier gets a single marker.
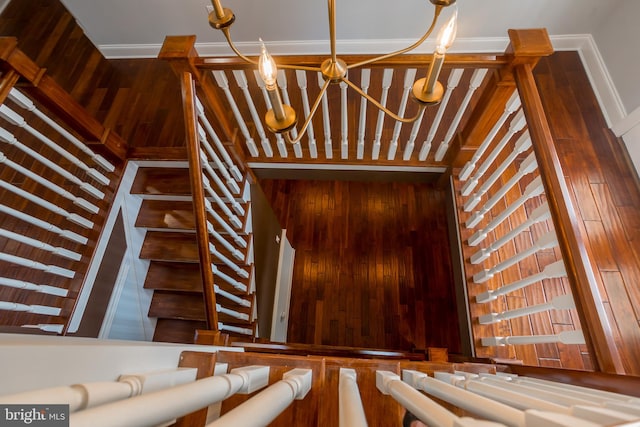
(282, 118)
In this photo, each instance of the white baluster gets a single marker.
(44, 225)
(236, 237)
(16, 119)
(546, 241)
(53, 269)
(533, 189)
(165, 405)
(232, 313)
(551, 271)
(409, 77)
(34, 309)
(211, 154)
(365, 77)
(223, 188)
(56, 250)
(326, 121)
(233, 169)
(263, 408)
(232, 217)
(526, 167)
(452, 84)
(28, 286)
(223, 83)
(46, 327)
(240, 301)
(512, 105)
(387, 77)
(19, 98)
(75, 218)
(474, 84)
(226, 261)
(7, 137)
(517, 124)
(235, 329)
(282, 83)
(230, 280)
(411, 142)
(243, 84)
(301, 77)
(482, 406)
(344, 121)
(551, 419)
(561, 302)
(564, 337)
(522, 144)
(228, 246)
(350, 409)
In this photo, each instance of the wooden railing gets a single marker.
(59, 168)
(219, 201)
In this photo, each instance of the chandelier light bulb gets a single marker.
(267, 66)
(447, 33)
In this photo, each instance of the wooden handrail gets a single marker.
(197, 193)
(43, 88)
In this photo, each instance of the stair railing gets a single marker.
(57, 166)
(220, 213)
(524, 256)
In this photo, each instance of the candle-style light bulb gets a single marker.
(267, 66)
(447, 33)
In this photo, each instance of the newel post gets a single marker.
(593, 318)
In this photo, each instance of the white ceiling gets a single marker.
(147, 22)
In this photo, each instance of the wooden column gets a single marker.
(595, 324)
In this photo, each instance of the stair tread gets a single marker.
(176, 276)
(177, 331)
(189, 306)
(165, 181)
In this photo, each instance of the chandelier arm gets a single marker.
(312, 112)
(383, 108)
(426, 35)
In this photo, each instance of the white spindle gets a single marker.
(561, 302)
(326, 121)
(44, 225)
(232, 313)
(24, 102)
(474, 84)
(238, 270)
(350, 409)
(56, 250)
(9, 138)
(533, 189)
(243, 84)
(511, 106)
(228, 246)
(283, 84)
(230, 280)
(387, 77)
(301, 77)
(34, 309)
(564, 337)
(365, 77)
(235, 329)
(221, 204)
(53, 269)
(236, 237)
(28, 286)
(264, 407)
(216, 140)
(482, 406)
(344, 121)
(526, 167)
(546, 241)
(425, 409)
(551, 271)
(16, 119)
(223, 188)
(409, 77)
(522, 144)
(411, 142)
(517, 124)
(165, 405)
(223, 83)
(75, 218)
(211, 154)
(452, 84)
(240, 301)
(46, 327)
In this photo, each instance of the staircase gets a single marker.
(170, 246)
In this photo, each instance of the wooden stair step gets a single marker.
(189, 306)
(174, 276)
(177, 331)
(177, 246)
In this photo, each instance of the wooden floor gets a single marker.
(372, 263)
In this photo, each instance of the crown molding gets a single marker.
(596, 69)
